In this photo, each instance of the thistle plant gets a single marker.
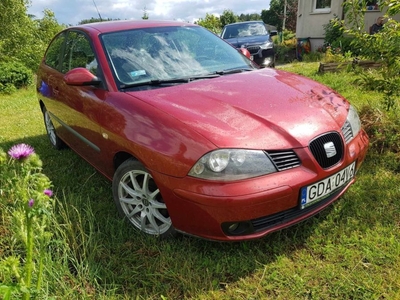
(26, 207)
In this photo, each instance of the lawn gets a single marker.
(349, 251)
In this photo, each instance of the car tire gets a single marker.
(55, 141)
(139, 200)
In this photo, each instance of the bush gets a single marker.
(382, 130)
(381, 47)
(312, 57)
(285, 54)
(14, 75)
(7, 88)
(333, 31)
(336, 40)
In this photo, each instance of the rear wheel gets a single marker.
(139, 200)
(55, 141)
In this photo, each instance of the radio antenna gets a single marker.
(97, 11)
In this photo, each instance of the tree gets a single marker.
(43, 32)
(95, 20)
(23, 38)
(145, 14)
(15, 24)
(210, 22)
(249, 17)
(228, 17)
(275, 15)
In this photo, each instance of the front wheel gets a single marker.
(139, 200)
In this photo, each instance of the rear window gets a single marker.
(243, 30)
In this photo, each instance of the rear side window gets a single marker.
(54, 50)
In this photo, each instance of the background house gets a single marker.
(313, 14)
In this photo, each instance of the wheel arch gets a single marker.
(41, 105)
(121, 157)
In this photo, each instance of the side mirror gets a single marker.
(273, 32)
(80, 77)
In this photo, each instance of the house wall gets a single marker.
(310, 23)
(371, 16)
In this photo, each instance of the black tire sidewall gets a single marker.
(59, 144)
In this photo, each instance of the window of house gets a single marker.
(322, 5)
(372, 5)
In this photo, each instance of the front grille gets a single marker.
(264, 223)
(347, 132)
(267, 52)
(285, 159)
(253, 49)
(317, 148)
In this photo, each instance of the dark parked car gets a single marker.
(170, 113)
(255, 37)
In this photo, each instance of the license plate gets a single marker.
(321, 189)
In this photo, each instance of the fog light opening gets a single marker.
(237, 228)
(233, 227)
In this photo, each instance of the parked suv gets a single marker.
(255, 37)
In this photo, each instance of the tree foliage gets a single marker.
(15, 24)
(210, 22)
(215, 24)
(228, 17)
(249, 17)
(95, 20)
(275, 15)
(145, 14)
(382, 47)
(22, 37)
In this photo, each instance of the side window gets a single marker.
(53, 53)
(78, 53)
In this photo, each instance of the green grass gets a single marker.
(349, 251)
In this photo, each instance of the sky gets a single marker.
(71, 12)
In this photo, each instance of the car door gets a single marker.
(77, 109)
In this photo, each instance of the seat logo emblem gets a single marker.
(330, 149)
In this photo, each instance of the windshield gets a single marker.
(244, 29)
(165, 53)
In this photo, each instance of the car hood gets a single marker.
(262, 109)
(248, 40)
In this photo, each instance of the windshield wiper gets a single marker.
(156, 82)
(232, 71)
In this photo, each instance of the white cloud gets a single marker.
(184, 10)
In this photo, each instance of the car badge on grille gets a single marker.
(330, 149)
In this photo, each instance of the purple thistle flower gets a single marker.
(48, 192)
(20, 151)
(31, 202)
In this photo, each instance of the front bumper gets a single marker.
(259, 205)
(264, 57)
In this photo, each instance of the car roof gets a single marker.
(111, 26)
(245, 22)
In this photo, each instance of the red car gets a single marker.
(194, 136)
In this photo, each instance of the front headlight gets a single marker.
(354, 121)
(267, 45)
(232, 164)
